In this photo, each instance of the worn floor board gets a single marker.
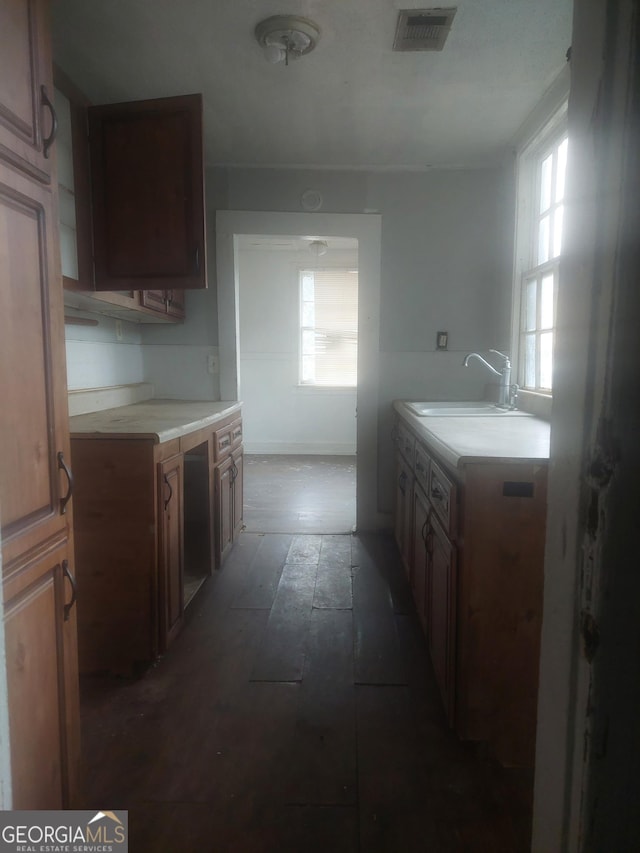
(323, 765)
(282, 652)
(282, 720)
(263, 576)
(333, 582)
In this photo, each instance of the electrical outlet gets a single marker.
(442, 340)
(212, 364)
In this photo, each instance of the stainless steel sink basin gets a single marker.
(447, 409)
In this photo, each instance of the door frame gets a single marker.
(366, 229)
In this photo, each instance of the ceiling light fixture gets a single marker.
(285, 37)
(318, 247)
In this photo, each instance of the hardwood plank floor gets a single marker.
(297, 711)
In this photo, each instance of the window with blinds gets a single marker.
(329, 327)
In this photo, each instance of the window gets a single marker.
(329, 327)
(541, 186)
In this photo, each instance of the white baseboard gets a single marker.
(277, 448)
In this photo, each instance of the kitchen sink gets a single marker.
(447, 409)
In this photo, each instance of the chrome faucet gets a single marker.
(507, 393)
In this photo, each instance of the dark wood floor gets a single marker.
(299, 494)
(297, 711)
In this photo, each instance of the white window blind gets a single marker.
(329, 327)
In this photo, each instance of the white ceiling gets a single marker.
(351, 103)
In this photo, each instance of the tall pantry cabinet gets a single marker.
(35, 481)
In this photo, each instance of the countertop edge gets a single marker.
(449, 453)
(159, 436)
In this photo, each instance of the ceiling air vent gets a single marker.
(423, 29)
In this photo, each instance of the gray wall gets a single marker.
(446, 265)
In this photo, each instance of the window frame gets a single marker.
(530, 157)
(314, 385)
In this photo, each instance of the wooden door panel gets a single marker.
(172, 547)
(32, 367)
(155, 299)
(442, 580)
(24, 69)
(238, 495)
(41, 679)
(419, 572)
(176, 304)
(224, 509)
(148, 194)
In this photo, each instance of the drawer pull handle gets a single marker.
(66, 571)
(436, 493)
(47, 142)
(62, 466)
(168, 500)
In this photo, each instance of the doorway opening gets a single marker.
(359, 231)
(298, 347)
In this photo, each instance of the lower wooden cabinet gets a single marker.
(472, 542)
(41, 659)
(153, 520)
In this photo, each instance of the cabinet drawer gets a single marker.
(227, 439)
(421, 467)
(442, 494)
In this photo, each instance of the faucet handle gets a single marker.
(506, 357)
(497, 352)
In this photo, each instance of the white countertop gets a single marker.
(159, 420)
(467, 439)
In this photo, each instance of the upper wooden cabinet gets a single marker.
(148, 194)
(35, 482)
(27, 118)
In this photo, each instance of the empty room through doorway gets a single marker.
(298, 339)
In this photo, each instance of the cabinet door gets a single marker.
(26, 111)
(442, 611)
(238, 495)
(403, 520)
(171, 476)
(224, 509)
(34, 440)
(148, 194)
(40, 634)
(36, 517)
(419, 573)
(169, 303)
(175, 304)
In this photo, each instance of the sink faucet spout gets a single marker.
(504, 388)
